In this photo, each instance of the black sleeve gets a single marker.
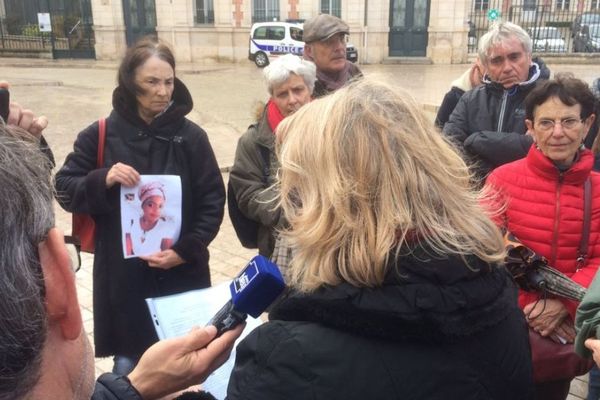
(498, 148)
(114, 387)
(457, 127)
(448, 105)
(80, 185)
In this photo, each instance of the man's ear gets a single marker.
(62, 305)
(308, 51)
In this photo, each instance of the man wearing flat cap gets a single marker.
(325, 45)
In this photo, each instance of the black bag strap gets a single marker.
(587, 216)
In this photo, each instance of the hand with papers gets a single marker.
(181, 362)
(175, 315)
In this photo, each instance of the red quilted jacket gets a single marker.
(544, 210)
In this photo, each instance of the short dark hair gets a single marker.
(137, 55)
(567, 88)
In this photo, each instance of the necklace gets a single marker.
(144, 231)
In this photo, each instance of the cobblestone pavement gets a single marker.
(75, 93)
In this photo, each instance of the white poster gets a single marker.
(151, 215)
(44, 22)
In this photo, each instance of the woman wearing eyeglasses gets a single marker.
(541, 202)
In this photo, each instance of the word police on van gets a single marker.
(272, 39)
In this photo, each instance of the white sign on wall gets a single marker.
(44, 22)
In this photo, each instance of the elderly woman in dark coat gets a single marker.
(146, 133)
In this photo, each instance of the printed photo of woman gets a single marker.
(152, 229)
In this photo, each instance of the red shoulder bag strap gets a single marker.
(587, 216)
(101, 139)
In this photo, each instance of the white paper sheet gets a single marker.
(175, 315)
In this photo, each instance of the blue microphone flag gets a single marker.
(252, 291)
(256, 287)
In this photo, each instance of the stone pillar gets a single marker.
(448, 31)
(306, 9)
(109, 29)
(374, 44)
(238, 13)
(293, 9)
(174, 19)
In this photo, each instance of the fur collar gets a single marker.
(424, 299)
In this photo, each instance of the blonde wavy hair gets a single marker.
(364, 173)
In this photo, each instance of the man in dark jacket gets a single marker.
(325, 37)
(44, 350)
(488, 123)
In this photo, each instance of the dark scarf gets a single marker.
(335, 81)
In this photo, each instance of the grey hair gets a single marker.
(500, 32)
(26, 216)
(279, 71)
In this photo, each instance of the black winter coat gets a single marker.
(171, 144)
(114, 387)
(488, 123)
(448, 105)
(435, 330)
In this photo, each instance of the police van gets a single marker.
(272, 39)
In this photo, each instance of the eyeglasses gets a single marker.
(549, 124)
(74, 249)
(335, 39)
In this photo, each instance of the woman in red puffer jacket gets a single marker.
(542, 199)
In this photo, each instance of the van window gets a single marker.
(260, 33)
(276, 33)
(296, 34)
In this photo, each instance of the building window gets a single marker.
(595, 4)
(481, 5)
(562, 4)
(333, 7)
(529, 5)
(205, 13)
(265, 10)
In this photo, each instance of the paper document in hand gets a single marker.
(175, 316)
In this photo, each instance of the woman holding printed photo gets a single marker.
(146, 134)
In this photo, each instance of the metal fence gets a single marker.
(72, 36)
(555, 26)
(20, 37)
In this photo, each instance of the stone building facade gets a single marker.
(209, 31)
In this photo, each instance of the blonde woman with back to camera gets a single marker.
(396, 286)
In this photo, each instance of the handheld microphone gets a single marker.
(252, 291)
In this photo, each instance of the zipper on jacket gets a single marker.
(502, 111)
(556, 219)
